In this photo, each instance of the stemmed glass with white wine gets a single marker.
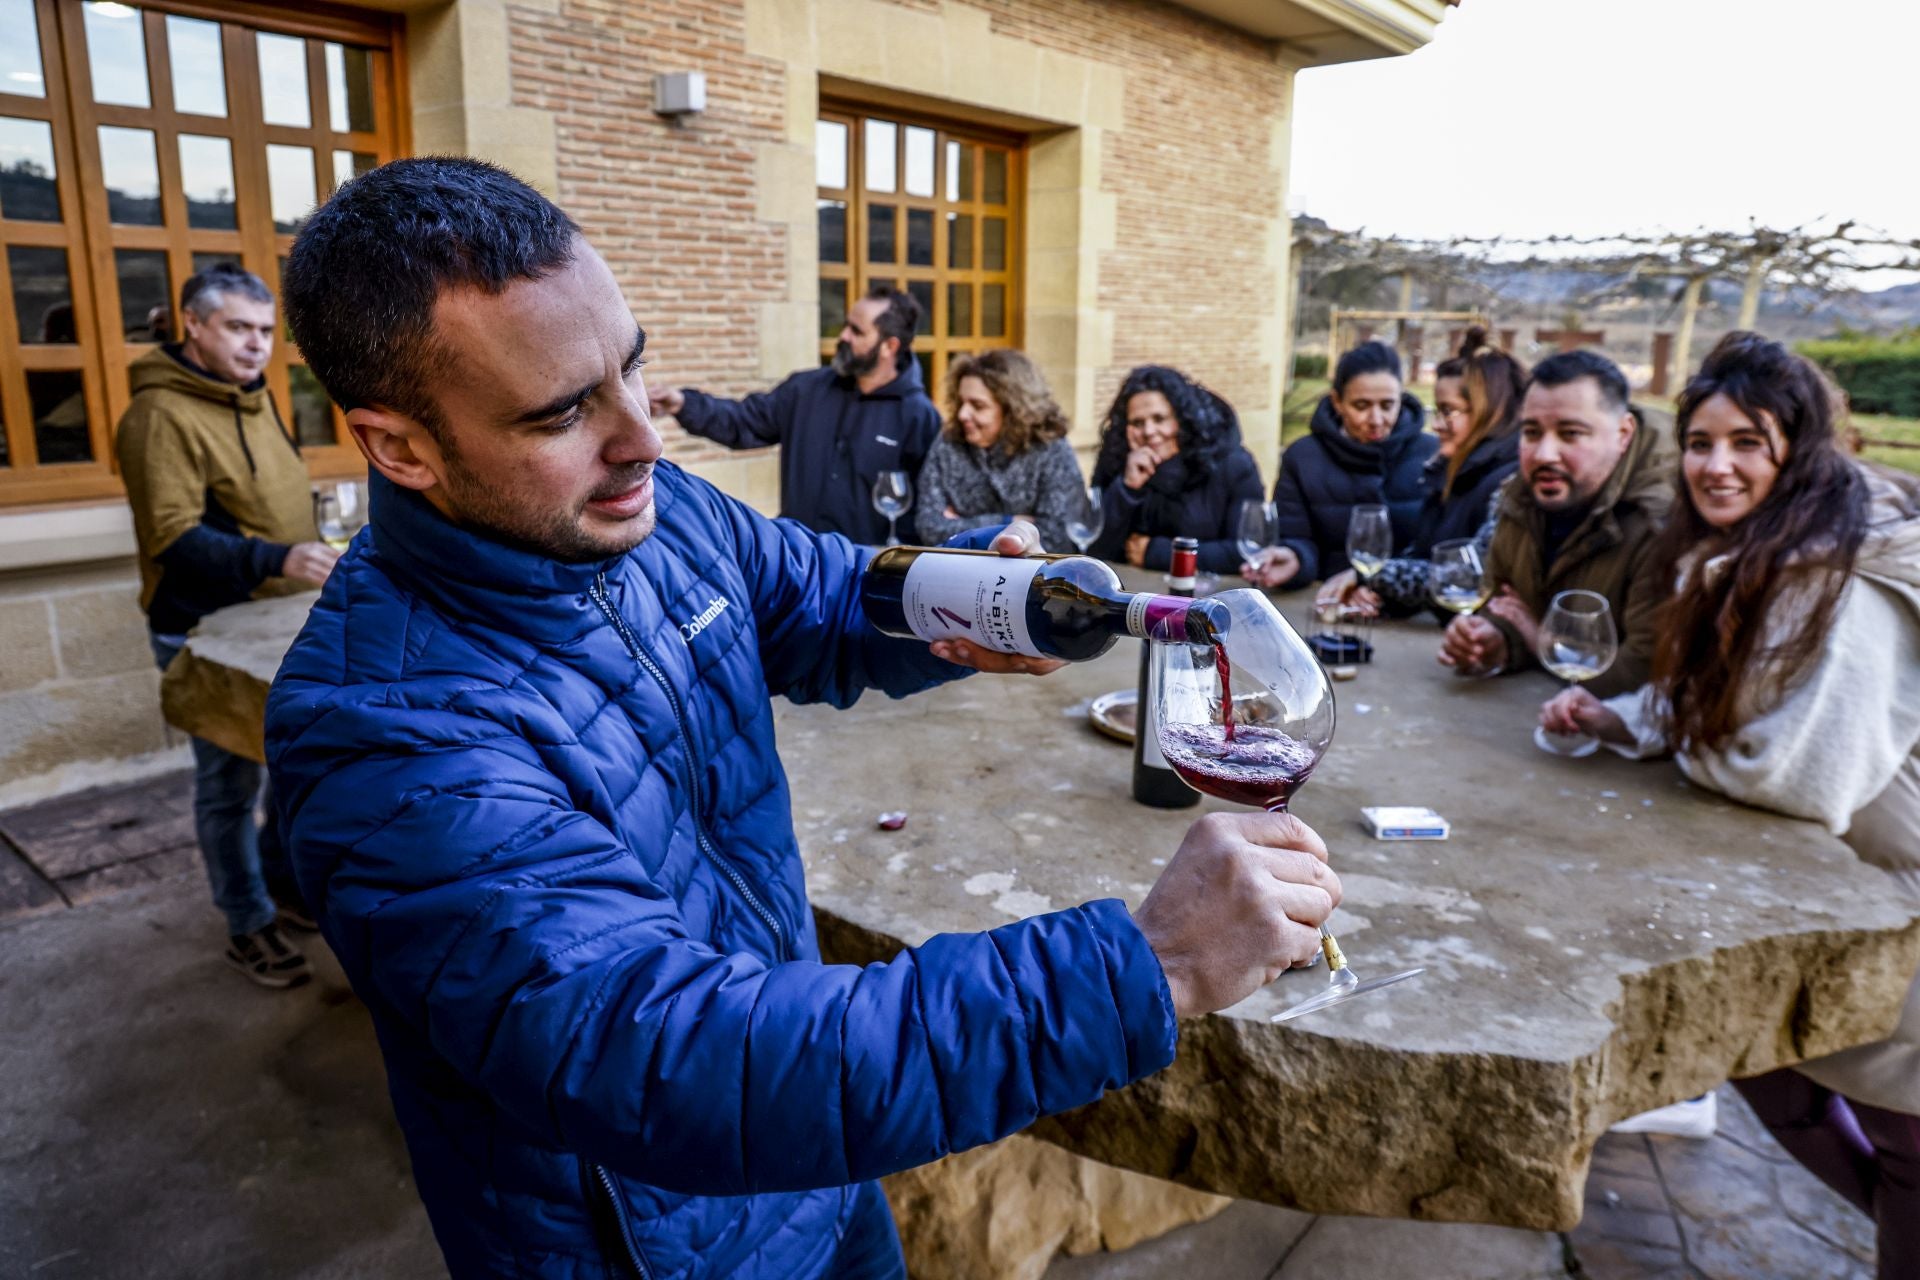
(1369, 539)
(330, 523)
(1257, 528)
(1457, 576)
(1577, 643)
(1246, 719)
(892, 495)
(1088, 519)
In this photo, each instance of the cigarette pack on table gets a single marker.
(1405, 822)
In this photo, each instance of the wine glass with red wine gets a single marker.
(1246, 719)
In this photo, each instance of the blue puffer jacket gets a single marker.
(539, 811)
(1325, 474)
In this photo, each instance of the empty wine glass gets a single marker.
(1087, 520)
(892, 495)
(1577, 643)
(1246, 720)
(1257, 529)
(1457, 576)
(1369, 539)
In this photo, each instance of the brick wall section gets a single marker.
(673, 209)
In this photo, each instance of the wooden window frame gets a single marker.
(91, 238)
(859, 274)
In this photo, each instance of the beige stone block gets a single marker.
(1052, 279)
(787, 333)
(849, 42)
(1060, 87)
(784, 189)
(486, 68)
(26, 644)
(781, 29)
(760, 481)
(1260, 429)
(1005, 1210)
(913, 48)
(1053, 162)
(57, 726)
(1100, 219)
(1053, 336)
(1053, 219)
(803, 103)
(101, 633)
(433, 60)
(440, 130)
(1106, 97)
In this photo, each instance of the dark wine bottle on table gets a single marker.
(1070, 607)
(1154, 781)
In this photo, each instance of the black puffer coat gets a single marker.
(1324, 476)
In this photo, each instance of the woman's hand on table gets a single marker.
(1343, 591)
(1575, 710)
(1019, 538)
(1273, 567)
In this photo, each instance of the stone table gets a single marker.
(1600, 937)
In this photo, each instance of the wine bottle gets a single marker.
(1070, 607)
(1154, 781)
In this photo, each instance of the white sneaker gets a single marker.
(1694, 1118)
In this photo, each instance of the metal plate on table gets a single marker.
(1113, 713)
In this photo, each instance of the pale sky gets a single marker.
(1530, 117)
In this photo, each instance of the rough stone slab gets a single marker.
(1243, 1243)
(1365, 1247)
(23, 890)
(1600, 938)
(105, 826)
(216, 689)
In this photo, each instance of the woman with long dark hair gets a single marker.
(1787, 675)
(1171, 466)
(1366, 444)
(1476, 415)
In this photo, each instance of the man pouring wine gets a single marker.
(541, 817)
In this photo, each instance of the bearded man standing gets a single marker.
(840, 426)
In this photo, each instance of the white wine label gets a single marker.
(979, 599)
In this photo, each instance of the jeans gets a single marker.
(246, 864)
(870, 1249)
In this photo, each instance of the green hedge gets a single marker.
(1879, 375)
(1308, 364)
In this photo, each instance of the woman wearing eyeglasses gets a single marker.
(1476, 418)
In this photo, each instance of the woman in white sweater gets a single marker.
(1787, 675)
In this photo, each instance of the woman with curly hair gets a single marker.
(1787, 675)
(1171, 466)
(1002, 454)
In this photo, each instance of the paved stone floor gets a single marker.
(161, 1117)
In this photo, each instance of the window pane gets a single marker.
(291, 190)
(116, 53)
(922, 291)
(20, 70)
(953, 171)
(283, 80)
(833, 231)
(312, 413)
(207, 261)
(351, 164)
(206, 174)
(993, 311)
(349, 90)
(829, 153)
(919, 161)
(925, 360)
(199, 71)
(919, 237)
(960, 310)
(993, 244)
(833, 307)
(42, 294)
(959, 171)
(146, 303)
(132, 176)
(880, 157)
(993, 176)
(27, 190)
(59, 402)
(960, 241)
(880, 233)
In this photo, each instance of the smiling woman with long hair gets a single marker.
(1787, 675)
(1003, 453)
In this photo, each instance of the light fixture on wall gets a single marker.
(679, 95)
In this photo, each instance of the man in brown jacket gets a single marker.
(223, 512)
(1593, 489)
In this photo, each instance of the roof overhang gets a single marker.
(1319, 33)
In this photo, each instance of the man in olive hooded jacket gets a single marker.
(222, 512)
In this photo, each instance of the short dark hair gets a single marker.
(1571, 366)
(1368, 357)
(367, 268)
(205, 291)
(899, 320)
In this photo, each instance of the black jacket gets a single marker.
(1325, 475)
(1173, 503)
(835, 440)
(1462, 512)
